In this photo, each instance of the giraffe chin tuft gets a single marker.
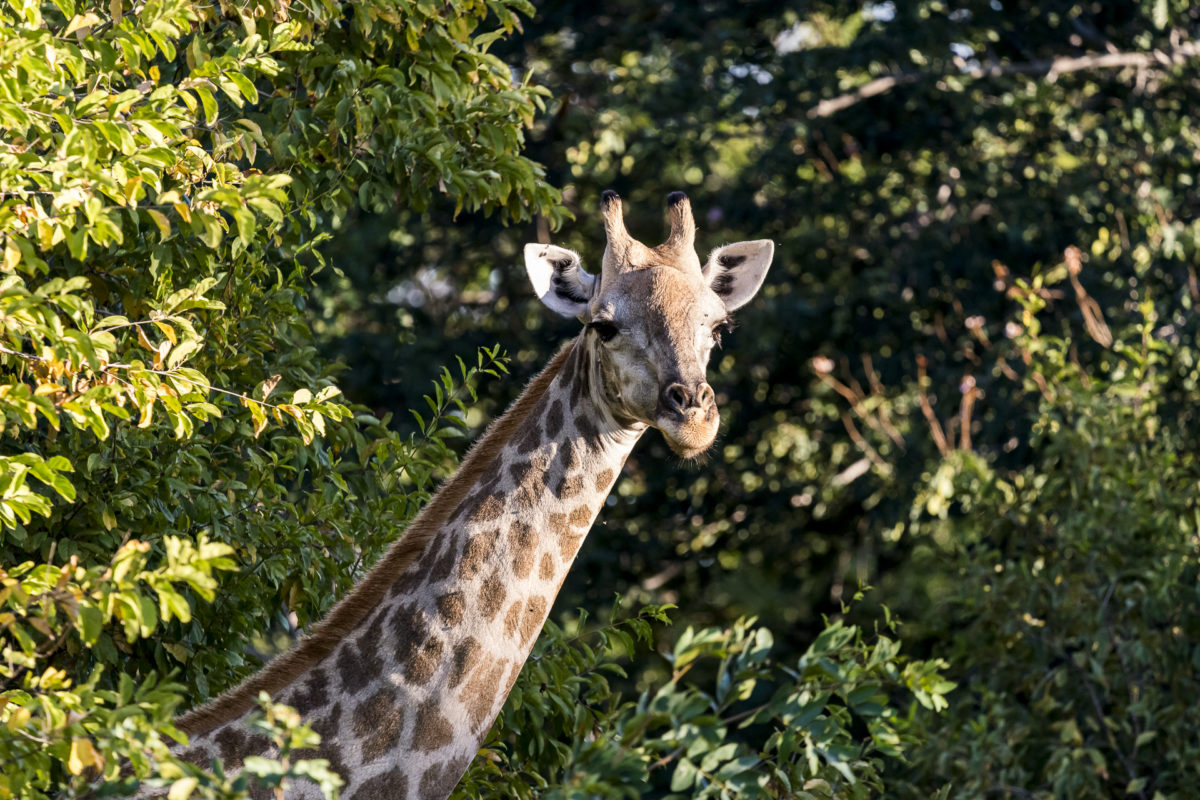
(691, 437)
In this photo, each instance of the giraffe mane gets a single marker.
(285, 668)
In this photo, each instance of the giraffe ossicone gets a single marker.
(405, 675)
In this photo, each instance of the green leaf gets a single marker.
(685, 775)
(91, 621)
(209, 103)
(244, 85)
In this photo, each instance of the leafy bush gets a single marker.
(1064, 592)
(168, 171)
(727, 718)
(178, 469)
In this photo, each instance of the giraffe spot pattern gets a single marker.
(425, 662)
(513, 618)
(491, 596)
(531, 484)
(522, 548)
(581, 376)
(568, 540)
(417, 650)
(465, 505)
(581, 517)
(408, 582)
(312, 692)
(476, 552)
(439, 561)
(487, 511)
(531, 623)
(470, 504)
(571, 482)
(586, 429)
(568, 545)
(485, 488)
(432, 731)
(384, 786)
(409, 626)
(531, 439)
(193, 755)
(571, 457)
(451, 606)
(546, 570)
(440, 779)
(231, 743)
(569, 486)
(519, 471)
(542, 459)
(357, 666)
(554, 420)
(466, 654)
(479, 694)
(330, 747)
(368, 646)
(604, 480)
(378, 721)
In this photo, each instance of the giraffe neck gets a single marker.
(405, 696)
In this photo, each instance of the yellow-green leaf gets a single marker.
(82, 21)
(83, 755)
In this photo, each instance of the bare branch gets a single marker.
(1051, 69)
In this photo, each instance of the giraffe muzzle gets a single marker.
(678, 400)
(688, 418)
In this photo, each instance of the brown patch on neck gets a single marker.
(283, 670)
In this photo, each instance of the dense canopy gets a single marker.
(946, 544)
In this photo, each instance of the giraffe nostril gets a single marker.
(705, 397)
(677, 398)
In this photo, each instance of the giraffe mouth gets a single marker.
(690, 435)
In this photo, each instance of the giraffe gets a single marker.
(406, 674)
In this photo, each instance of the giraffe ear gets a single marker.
(559, 279)
(736, 271)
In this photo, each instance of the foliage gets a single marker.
(178, 470)
(931, 389)
(282, 726)
(727, 718)
(901, 222)
(66, 616)
(61, 734)
(1064, 592)
(923, 168)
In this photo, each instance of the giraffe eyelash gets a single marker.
(724, 326)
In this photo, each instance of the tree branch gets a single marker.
(1051, 68)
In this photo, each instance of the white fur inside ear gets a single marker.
(736, 271)
(558, 278)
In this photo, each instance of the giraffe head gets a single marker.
(652, 317)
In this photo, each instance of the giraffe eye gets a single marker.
(604, 329)
(724, 326)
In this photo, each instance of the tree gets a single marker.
(902, 219)
(922, 167)
(1063, 591)
(167, 172)
(179, 470)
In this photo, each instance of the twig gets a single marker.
(1051, 69)
(935, 427)
(877, 390)
(667, 759)
(964, 412)
(865, 447)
